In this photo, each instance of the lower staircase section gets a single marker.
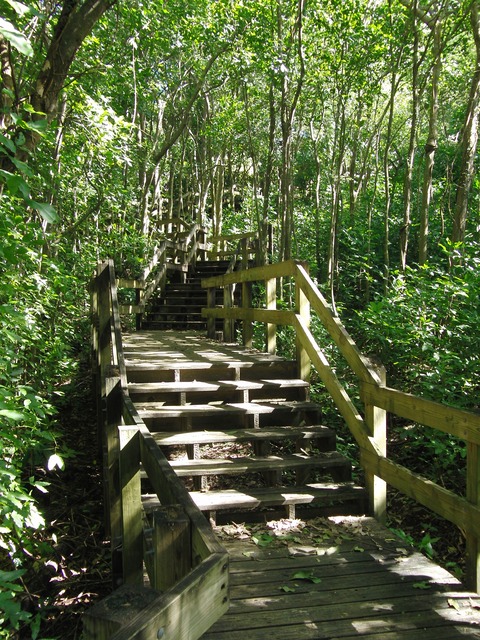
(238, 426)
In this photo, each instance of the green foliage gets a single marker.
(38, 308)
(425, 331)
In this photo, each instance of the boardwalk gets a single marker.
(324, 578)
(345, 578)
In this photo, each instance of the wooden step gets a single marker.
(270, 434)
(220, 389)
(262, 497)
(159, 416)
(332, 462)
(156, 366)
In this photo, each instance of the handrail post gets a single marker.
(211, 319)
(131, 502)
(244, 252)
(472, 567)
(112, 398)
(376, 421)
(247, 325)
(271, 290)
(302, 305)
(228, 323)
(171, 546)
(139, 295)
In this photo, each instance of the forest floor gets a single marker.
(78, 574)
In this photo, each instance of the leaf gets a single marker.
(16, 39)
(453, 603)
(55, 461)
(12, 415)
(19, 7)
(46, 210)
(287, 589)
(359, 549)
(263, 540)
(306, 575)
(422, 585)
(9, 144)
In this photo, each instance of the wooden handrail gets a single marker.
(369, 429)
(127, 446)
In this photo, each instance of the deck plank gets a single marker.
(370, 585)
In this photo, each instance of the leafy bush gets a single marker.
(426, 331)
(38, 315)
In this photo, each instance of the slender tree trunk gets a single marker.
(469, 138)
(386, 175)
(287, 119)
(218, 185)
(431, 144)
(253, 156)
(407, 185)
(267, 178)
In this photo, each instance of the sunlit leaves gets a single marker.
(15, 37)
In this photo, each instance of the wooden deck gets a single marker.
(338, 578)
(330, 578)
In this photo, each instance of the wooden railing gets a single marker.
(368, 427)
(225, 246)
(186, 248)
(186, 566)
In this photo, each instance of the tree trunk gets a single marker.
(407, 185)
(469, 138)
(74, 24)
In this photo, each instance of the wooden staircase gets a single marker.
(180, 305)
(238, 426)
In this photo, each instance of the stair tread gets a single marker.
(166, 438)
(253, 498)
(221, 466)
(164, 364)
(158, 409)
(199, 386)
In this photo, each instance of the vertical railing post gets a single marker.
(171, 546)
(112, 397)
(302, 305)
(472, 568)
(131, 502)
(376, 421)
(244, 252)
(211, 319)
(247, 327)
(271, 290)
(228, 323)
(139, 295)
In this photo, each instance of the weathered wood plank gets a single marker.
(462, 424)
(335, 328)
(360, 593)
(277, 270)
(213, 387)
(242, 435)
(281, 496)
(446, 503)
(270, 316)
(268, 463)
(187, 610)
